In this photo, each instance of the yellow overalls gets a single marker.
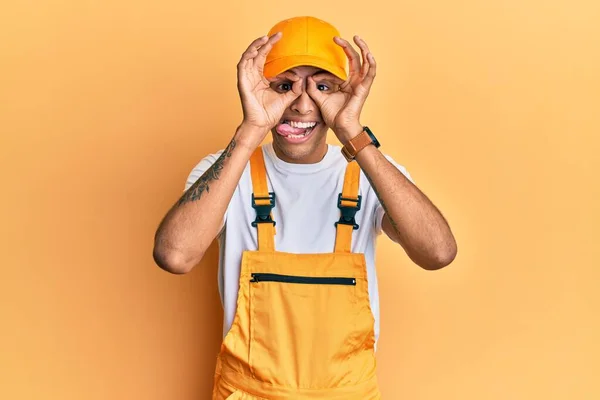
(303, 327)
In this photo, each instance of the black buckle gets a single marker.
(263, 212)
(348, 212)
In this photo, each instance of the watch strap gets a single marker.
(356, 144)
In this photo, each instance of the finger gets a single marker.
(364, 49)
(296, 91)
(249, 54)
(353, 57)
(370, 74)
(313, 92)
(266, 48)
(252, 50)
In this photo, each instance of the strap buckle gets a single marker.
(263, 212)
(348, 212)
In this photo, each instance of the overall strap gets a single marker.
(263, 202)
(349, 202)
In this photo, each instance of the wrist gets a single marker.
(250, 136)
(359, 142)
(347, 134)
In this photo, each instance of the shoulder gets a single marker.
(208, 159)
(201, 166)
(401, 167)
(340, 160)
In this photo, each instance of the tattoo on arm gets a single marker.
(212, 174)
(392, 222)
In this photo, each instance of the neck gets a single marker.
(312, 156)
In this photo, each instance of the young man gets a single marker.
(297, 220)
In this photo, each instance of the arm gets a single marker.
(191, 225)
(410, 218)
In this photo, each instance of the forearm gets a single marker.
(193, 222)
(415, 222)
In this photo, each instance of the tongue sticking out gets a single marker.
(286, 129)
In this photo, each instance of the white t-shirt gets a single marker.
(305, 212)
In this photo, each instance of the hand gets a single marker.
(341, 109)
(262, 106)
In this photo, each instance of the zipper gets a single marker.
(315, 280)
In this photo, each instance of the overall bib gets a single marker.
(303, 327)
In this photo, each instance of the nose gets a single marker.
(303, 104)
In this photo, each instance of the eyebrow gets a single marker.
(328, 76)
(325, 74)
(285, 75)
(320, 74)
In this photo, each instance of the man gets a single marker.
(297, 221)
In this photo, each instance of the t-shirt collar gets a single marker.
(283, 166)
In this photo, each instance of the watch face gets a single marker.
(373, 138)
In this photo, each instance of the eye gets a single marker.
(322, 87)
(284, 87)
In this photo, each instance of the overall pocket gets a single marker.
(304, 329)
(311, 280)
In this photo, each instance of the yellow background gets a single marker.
(106, 106)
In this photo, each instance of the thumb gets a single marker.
(315, 93)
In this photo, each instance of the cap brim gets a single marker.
(280, 65)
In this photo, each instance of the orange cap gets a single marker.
(306, 41)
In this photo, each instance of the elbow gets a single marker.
(441, 258)
(172, 261)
